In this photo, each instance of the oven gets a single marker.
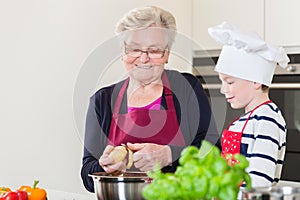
(284, 91)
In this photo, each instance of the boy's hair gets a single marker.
(264, 88)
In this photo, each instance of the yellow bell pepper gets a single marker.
(4, 189)
(34, 193)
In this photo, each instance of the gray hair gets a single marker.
(141, 18)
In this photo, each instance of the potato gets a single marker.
(129, 159)
(118, 154)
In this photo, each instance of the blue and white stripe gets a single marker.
(263, 143)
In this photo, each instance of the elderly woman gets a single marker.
(155, 112)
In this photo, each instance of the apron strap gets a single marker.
(120, 97)
(167, 91)
(166, 87)
(266, 102)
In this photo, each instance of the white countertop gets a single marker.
(288, 183)
(60, 195)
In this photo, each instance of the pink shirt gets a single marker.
(155, 105)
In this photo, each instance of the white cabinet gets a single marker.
(247, 14)
(282, 26)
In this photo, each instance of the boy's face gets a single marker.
(238, 92)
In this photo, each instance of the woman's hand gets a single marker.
(147, 155)
(108, 163)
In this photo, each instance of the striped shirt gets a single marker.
(263, 143)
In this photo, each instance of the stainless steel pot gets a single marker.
(127, 186)
(272, 193)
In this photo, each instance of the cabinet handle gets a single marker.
(211, 86)
(285, 86)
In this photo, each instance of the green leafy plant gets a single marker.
(203, 174)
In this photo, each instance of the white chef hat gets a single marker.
(245, 55)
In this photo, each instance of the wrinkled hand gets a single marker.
(147, 155)
(108, 163)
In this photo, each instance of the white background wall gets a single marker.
(43, 46)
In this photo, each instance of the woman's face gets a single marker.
(145, 53)
(238, 92)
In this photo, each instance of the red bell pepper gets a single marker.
(17, 195)
(22, 195)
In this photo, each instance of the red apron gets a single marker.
(231, 141)
(146, 126)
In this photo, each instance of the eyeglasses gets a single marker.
(151, 53)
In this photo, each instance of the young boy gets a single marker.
(246, 66)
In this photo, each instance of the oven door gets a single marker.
(285, 92)
(287, 97)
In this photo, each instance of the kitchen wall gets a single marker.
(45, 48)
